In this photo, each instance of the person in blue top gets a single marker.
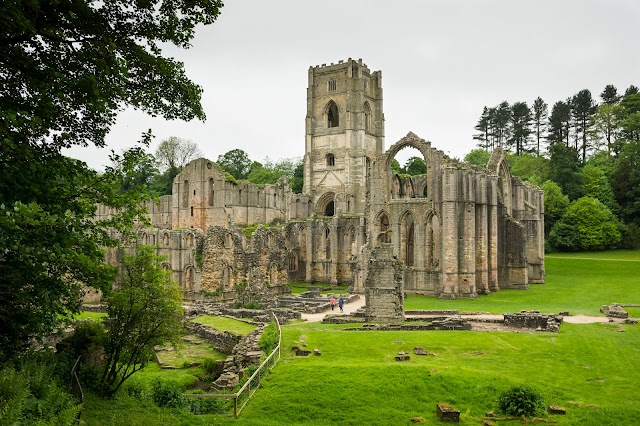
(341, 304)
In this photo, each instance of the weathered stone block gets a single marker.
(555, 409)
(447, 413)
(403, 357)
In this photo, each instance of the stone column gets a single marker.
(384, 288)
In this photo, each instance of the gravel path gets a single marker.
(359, 303)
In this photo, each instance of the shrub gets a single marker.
(209, 365)
(167, 394)
(269, 339)
(206, 405)
(521, 400)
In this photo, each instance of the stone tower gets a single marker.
(344, 133)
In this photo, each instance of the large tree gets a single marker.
(583, 107)
(559, 123)
(145, 310)
(236, 162)
(564, 169)
(172, 154)
(520, 127)
(540, 112)
(66, 69)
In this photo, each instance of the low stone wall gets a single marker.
(94, 308)
(223, 341)
(533, 320)
(615, 310)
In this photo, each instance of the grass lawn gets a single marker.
(577, 283)
(225, 324)
(588, 368)
(96, 316)
(192, 351)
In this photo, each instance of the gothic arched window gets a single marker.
(333, 117)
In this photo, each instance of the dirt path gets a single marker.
(348, 308)
(359, 303)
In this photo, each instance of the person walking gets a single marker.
(341, 304)
(332, 302)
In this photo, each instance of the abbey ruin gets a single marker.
(459, 230)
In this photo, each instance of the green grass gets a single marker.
(588, 368)
(573, 283)
(585, 368)
(96, 316)
(188, 352)
(225, 324)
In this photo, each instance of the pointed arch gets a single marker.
(332, 114)
(367, 116)
(382, 228)
(433, 241)
(407, 238)
(325, 205)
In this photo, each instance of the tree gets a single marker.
(606, 123)
(583, 108)
(484, 128)
(610, 95)
(52, 243)
(478, 156)
(529, 167)
(520, 127)
(587, 224)
(69, 67)
(540, 112)
(596, 185)
(270, 172)
(631, 90)
(555, 204)
(145, 310)
(66, 69)
(559, 123)
(501, 121)
(626, 182)
(137, 169)
(236, 162)
(297, 180)
(564, 169)
(174, 153)
(415, 166)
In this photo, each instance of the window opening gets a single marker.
(331, 160)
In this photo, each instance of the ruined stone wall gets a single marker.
(384, 290)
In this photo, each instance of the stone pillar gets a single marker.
(384, 287)
(482, 240)
(450, 235)
(492, 232)
(335, 258)
(311, 232)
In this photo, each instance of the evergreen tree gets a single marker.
(540, 115)
(484, 127)
(559, 123)
(610, 95)
(502, 118)
(520, 127)
(631, 90)
(583, 107)
(605, 126)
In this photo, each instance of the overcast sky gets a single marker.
(441, 62)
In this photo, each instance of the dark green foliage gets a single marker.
(297, 180)
(559, 123)
(415, 166)
(478, 156)
(521, 400)
(269, 339)
(555, 204)
(66, 69)
(610, 95)
(236, 162)
(144, 311)
(206, 405)
(539, 112)
(31, 393)
(520, 132)
(167, 394)
(529, 167)
(582, 107)
(587, 224)
(209, 365)
(564, 170)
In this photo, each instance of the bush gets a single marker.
(209, 365)
(269, 339)
(206, 405)
(167, 394)
(521, 401)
